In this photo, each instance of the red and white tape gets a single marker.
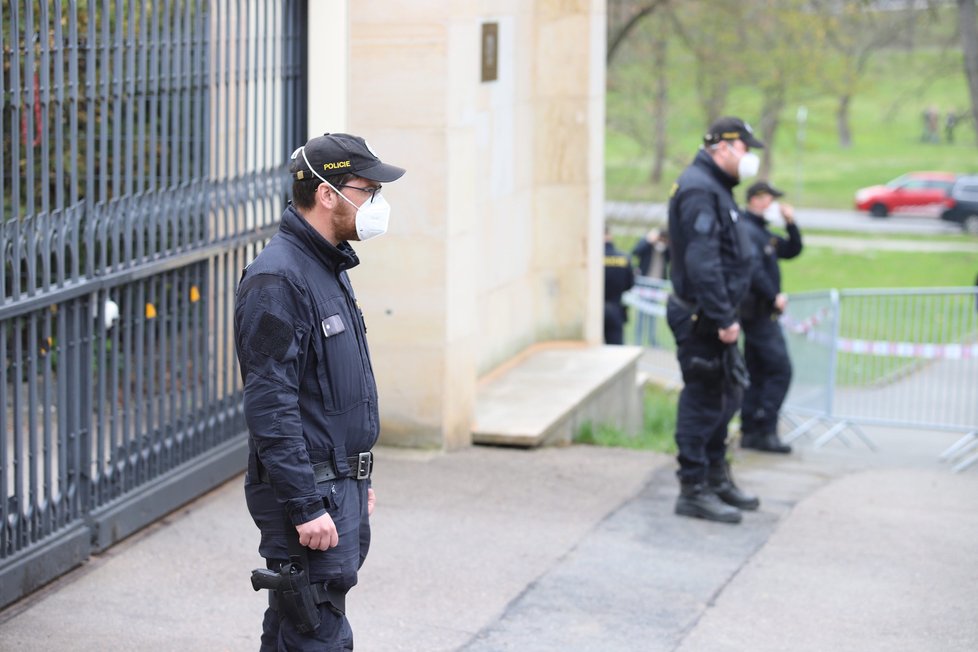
(805, 325)
(909, 349)
(882, 348)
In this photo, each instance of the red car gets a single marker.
(912, 192)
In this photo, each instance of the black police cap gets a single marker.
(763, 187)
(731, 128)
(332, 154)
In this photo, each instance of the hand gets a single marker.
(788, 213)
(371, 501)
(319, 533)
(730, 334)
(781, 302)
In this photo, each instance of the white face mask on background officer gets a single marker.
(730, 140)
(738, 161)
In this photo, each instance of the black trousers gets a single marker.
(346, 501)
(769, 365)
(707, 401)
(614, 323)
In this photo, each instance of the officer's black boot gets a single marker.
(698, 500)
(721, 481)
(769, 443)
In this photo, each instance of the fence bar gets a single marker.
(124, 229)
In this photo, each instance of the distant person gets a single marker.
(618, 278)
(765, 351)
(950, 122)
(650, 257)
(711, 266)
(931, 116)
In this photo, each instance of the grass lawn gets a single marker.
(886, 119)
(821, 268)
(658, 426)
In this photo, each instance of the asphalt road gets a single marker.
(812, 218)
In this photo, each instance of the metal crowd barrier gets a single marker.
(647, 324)
(881, 357)
(888, 357)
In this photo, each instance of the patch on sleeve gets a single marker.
(272, 337)
(704, 223)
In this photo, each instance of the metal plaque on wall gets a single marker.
(490, 51)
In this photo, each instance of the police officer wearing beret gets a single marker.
(310, 399)
(712, 261)
(765, 351)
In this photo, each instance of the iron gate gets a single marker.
(142, 167)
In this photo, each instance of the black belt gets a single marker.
(360, 468)
(689, 306)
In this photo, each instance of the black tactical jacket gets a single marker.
(766, 280)
(712, 258)
(618, 274)
(309, 389)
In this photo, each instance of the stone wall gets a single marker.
(496, 229)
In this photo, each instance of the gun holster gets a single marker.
(290, 591)
(734, 367)
(705, 369)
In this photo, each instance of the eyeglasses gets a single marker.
(373, 190)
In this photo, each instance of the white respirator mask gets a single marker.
(773, 213)
(748, 166)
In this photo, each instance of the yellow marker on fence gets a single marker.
(150, 311)
(194, 294)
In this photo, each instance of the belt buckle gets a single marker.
(365, 464)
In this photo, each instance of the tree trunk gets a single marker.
(968, 24)
(770, 121)
(842, 121)
(659, 107)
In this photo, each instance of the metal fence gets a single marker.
(143, 146)
(648, 325)
(886, 357)
(906, 358)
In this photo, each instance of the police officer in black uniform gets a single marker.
(310, 399)
(618, 277)
(712, 260)
(765, 351)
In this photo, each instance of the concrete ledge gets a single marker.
(544, 395)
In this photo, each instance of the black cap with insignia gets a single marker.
(332, 154)
(731, 128)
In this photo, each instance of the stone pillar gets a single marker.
(495, 235)
(568, 134)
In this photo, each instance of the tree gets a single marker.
(785, 42)
(660, 51)
(709, 31)
(968, 28)
(623, 17)
(854, 31)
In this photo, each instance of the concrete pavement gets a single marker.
(572, 548)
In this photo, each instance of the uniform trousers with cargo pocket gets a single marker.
(346, 501)
(707, 401)
(769, 366)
